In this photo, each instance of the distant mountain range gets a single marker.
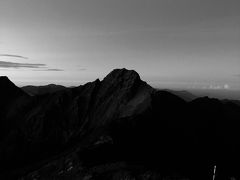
(217, 93)
(187, 96)
(118, 119)
(40, 90)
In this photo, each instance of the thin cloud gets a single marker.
(215, 87)
(218, 87)
(37, 66)
(13, 56)
(52, 69)
(7, 64)
(55, 69)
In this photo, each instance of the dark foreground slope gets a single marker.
(9, 95)
(12, 100)
(120, 119)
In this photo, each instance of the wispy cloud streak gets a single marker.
(13, 56)
(7, 64)
(55, 69)
(16, 65)
(52, 69)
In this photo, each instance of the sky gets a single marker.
(170, 43)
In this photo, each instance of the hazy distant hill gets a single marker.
(218, 93)
(39, 90)
(187, 96)
(119, 119)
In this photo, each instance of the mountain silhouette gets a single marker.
(9, 92)
(40, 90)
(136, 122)
(187, 96)
(11, 100)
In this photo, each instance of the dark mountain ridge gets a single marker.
(11, 98)
(40, 90)
(187, 96)
(157, 128)
(9, 92)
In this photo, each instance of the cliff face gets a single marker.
(143, 123)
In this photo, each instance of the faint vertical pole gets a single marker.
(214, 172)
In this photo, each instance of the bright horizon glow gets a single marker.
(187, 43)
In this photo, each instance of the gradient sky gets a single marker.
(174, 43)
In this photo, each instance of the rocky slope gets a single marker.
(120, 118)
(11, 102)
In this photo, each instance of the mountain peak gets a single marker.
(8, 87)
(9, 92)
(123, 71)
(122, 75)
(5, 82)
(4, 78)
(121, 79)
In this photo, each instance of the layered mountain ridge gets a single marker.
(40, 90)
(156, 127)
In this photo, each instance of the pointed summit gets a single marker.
(4, 80)
(120, 93)
(9, 91)
(122, 72)
(122, 75)
(8, 87)
(121, 80)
